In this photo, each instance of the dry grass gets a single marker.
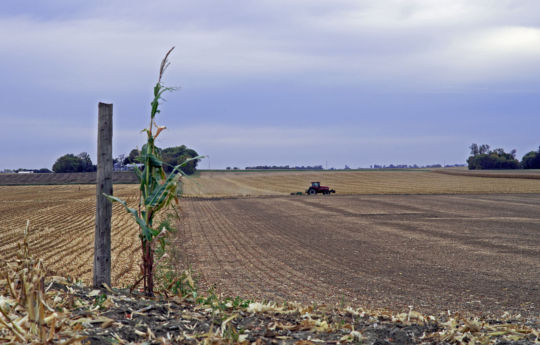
(355, 182)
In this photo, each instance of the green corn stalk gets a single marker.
(157, 190)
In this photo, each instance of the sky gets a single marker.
(280, 82)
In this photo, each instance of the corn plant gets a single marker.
(157, 190)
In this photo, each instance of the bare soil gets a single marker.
(474, 254)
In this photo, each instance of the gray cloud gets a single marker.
(369, 42)
(76, 53)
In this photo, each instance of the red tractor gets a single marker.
(317, 188)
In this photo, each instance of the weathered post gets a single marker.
(102, 242)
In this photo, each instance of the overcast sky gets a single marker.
(273, 81)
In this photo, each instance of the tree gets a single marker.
(484, 149)
(474, 149)
(132, 157)
(86, 162)
(531, 160)
(482, 158)
(120, 159)
(67, 163)
(71, 163)
(173, 156)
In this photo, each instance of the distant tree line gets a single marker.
(414, 166)
(171, 157)
(483, 158)
(284, 167)
(33, 171)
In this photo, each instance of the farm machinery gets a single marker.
(317, 188)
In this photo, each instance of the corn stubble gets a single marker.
(28, 314)
(62, 231)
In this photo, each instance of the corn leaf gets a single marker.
(146, 230)
(138, 172)
(152, 159)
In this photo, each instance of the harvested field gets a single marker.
(62, 222)
(333, 248)
(527, 174)
(218, 184)
(468, 253)
(63, 178)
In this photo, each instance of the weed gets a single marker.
(239, 302)
(99, 300)
(183, 285)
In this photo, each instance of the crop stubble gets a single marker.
(472, 253)
(62, 228)
(213, 184)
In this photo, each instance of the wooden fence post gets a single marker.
(102, 242)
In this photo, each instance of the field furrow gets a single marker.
(475, 254)
(62, 228)
(253, 261)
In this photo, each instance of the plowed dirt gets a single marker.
(468, 253)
